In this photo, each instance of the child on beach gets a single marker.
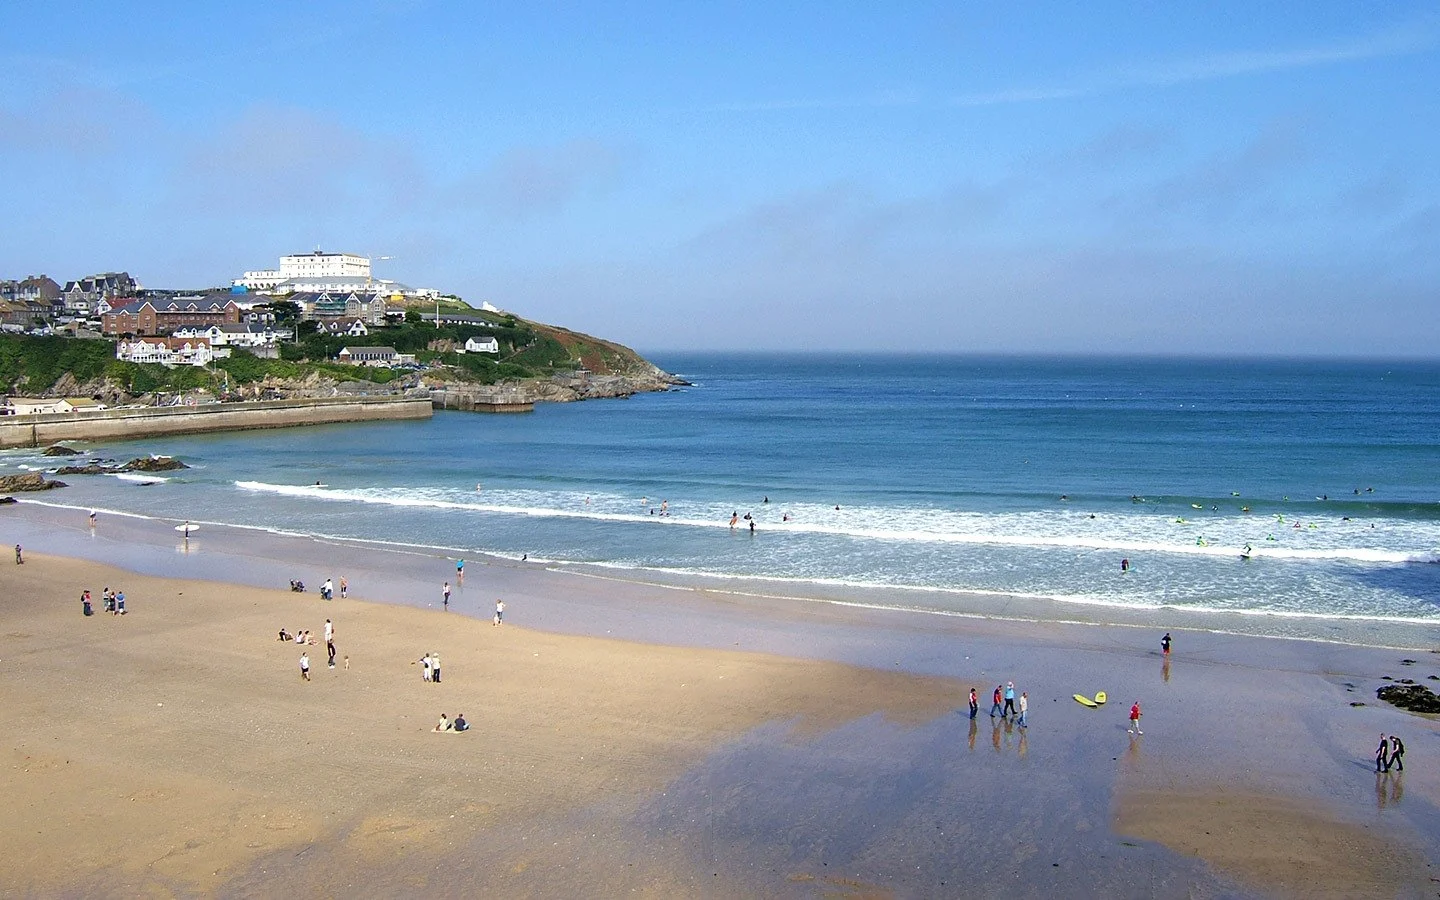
(445, 596)
(305, 666)
(499, 611)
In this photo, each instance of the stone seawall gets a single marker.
(126, 424)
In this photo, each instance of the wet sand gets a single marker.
(721, 747)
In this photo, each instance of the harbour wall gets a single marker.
(126, 424)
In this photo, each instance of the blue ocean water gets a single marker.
(898, 480)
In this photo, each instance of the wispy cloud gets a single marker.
(1382, 45)
(1399, 41)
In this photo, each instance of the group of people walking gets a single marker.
(1004, 704)
(114, 602)
(1390, 754)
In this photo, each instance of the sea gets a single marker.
(1284, 498)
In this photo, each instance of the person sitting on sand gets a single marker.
(284, 636)
(444, 724)
(460, 723)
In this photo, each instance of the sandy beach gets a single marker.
(630, 739)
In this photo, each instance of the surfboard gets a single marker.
(1100, 698)
(1085, 701)
(188, 529)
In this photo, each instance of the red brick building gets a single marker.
(152, 317)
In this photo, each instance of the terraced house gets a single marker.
(165, 315)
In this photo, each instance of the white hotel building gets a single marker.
(345, 267)
(321, 272)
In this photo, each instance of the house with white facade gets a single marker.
(25, 406)
(239, 334)
(374, 356)
(346, 327)
(481, 345)
(170, 351)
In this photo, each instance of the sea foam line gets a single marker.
(908, 535)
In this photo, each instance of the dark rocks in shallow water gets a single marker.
(153, 464)
(1357, 703)
(30, 481)
(1413, 697)
(60, 450)
(1407, 662)
(88, 469)
(139, 464)
(5, 501)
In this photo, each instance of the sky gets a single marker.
(1247, 178)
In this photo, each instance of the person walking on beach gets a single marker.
(92, 518)
(499, 610)
(1397, 753)
(1382, 755)
(1165, 644)
(119, 603)
(344, 587)
(425, 667)
(327, 590)
(1009, 699)
(1024, 708)
(19, 556)
(459, 571)
(435, 667)
(445, 596)
(1135, 718)
(974, 704)
(330, 642)
(305, 665)
(995, 702)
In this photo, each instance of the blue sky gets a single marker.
(1246, 178)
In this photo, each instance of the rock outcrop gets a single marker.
(1408, 695)
(139, 464)
(30, 481)
(61, 450)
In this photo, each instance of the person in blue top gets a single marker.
(459, 569)
(1009, 699)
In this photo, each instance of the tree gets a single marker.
(413, 317)
(287, 312)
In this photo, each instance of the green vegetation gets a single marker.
(33, 365)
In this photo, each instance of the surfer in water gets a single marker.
(1124, 565)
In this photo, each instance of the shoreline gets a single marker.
(1349, 631)
(836, 729)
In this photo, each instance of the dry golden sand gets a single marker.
(1282, 846)
(176, 751)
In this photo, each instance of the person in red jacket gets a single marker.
(1135, 718)
(995, 706)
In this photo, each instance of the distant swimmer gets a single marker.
(1196, 506)
(837, 507)
(766, 500)
(1201, 542)
(785, 517)
(477, 487)
(1124, 565)
(1234, 493)
(1269, 537)
(1064, 496)
(1245, 553)
(1369, 490)
(1244, 509)
(752, 525)
(734, 518)
(1214, 508)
